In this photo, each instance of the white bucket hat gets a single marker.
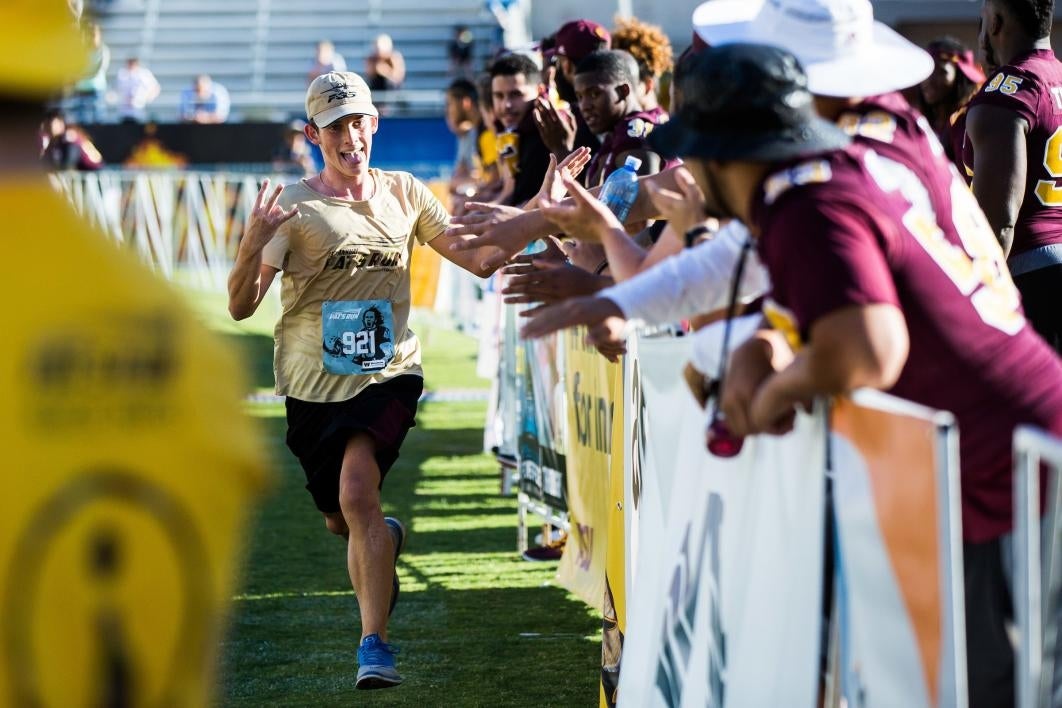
(844, 51)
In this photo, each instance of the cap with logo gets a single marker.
(746, 102)
(41, 47)
(844, 51)
(336, 94)
(963, 59)
(579, 38)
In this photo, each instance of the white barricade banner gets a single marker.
(899, 569)
(726, 603)
(653, 393)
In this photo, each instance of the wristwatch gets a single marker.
(693, 234)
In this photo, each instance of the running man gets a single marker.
(343, 240)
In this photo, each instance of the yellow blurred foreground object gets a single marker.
(42, 47)
(128, 467)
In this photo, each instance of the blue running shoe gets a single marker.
(376, 664)
(398, 535)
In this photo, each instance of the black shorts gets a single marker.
(1041, 295)
(318, 432)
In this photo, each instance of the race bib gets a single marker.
(357, 336)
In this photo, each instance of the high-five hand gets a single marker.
(582, 217)
(553, 189)
(588, 311)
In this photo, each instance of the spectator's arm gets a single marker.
(696, 280)
(856, 346)
(511, 233)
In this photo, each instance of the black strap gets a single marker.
(731, 309)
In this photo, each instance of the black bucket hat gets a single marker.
(746, 102)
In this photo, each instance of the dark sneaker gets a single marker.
(398, 535)
(376, 664)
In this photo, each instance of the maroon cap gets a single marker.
(578, 38)
(963, 60)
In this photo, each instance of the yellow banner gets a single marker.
(425, 263)
(128, 467)
(614, 617)
(589, 381)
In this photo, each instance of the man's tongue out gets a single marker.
(352, 159)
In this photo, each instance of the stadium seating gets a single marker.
(260, 50)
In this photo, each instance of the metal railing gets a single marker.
(186, 225)
(1037, 571)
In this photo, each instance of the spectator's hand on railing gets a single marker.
(583, 216)
(750, 367)
(557, 128)
(683, 209)
(590, 311)
(610, 351)
(553, 189)
(266, 217)
(609, 336)
(698, 383)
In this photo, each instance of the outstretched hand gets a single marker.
(683, 209)
(266, 217)
(550, 284)
(582, 217)
(589, 311)
(549, 257)
(553, 189)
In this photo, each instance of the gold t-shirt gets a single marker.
(339, 251)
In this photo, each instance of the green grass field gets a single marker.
(477, 626)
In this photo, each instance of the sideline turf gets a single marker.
(477, 626)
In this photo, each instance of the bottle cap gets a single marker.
(632, 162)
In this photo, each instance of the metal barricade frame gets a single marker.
(1037, 572)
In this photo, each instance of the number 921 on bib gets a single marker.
(357, 336)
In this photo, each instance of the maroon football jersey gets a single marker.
(865, 226)
(890, 126)
(628, 134)
(1031, 86)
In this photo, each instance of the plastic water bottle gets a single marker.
(621, 188)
